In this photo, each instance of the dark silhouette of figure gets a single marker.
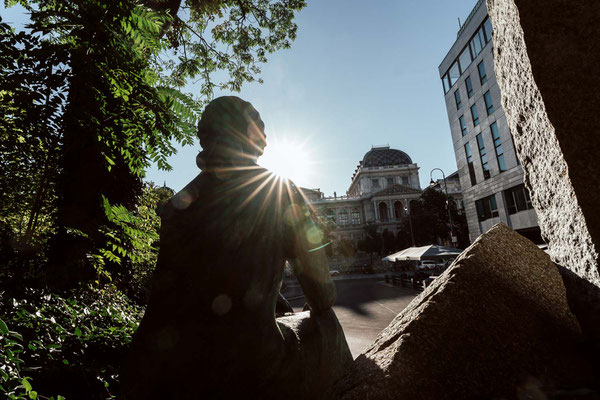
(209, 331)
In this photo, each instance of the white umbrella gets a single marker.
(430, 252)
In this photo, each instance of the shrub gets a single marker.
(72, 343)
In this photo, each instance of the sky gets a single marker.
(357, 76)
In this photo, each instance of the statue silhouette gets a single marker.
(209, 331)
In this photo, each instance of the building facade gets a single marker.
(383, 184)
(490, 173)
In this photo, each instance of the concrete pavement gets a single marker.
(364, 306)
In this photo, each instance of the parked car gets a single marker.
(334, 272)
(426, 265)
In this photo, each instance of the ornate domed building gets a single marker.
(383, 184)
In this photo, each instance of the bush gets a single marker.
(71, 343)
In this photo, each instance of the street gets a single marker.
(363, 306)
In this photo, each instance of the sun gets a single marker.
(289, 159)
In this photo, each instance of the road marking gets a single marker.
(387, 308)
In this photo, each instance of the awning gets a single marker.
(431, 252)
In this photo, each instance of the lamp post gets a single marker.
(407, 209)
(432, 184)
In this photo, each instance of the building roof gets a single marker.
(384, 156)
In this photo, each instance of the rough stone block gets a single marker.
(547, 64)
(496, 324)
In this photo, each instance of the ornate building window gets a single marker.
(331, 215)
(383, 211)
(343, 217)
(355, 217)
(398, 209)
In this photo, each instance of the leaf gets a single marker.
(33, 394)
(78, 332)
(26, 385)
(3, 327)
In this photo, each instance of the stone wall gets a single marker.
(547, 63)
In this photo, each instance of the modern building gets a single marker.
(383, 184)
(490, 174)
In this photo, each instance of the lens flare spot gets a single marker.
(221, 305)
(314, 235)
(182, 200)
(166, 338)
(292, 214)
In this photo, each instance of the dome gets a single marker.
(384, 156)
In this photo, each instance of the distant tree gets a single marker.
(372, 241)
(430, 221)
(388, 240)
(346, 248)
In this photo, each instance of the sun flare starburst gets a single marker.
(288, 159)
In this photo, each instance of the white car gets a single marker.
(426, 265)
(334, 272)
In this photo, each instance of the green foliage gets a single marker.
(71, 344)
(32, 84)
(372, 241)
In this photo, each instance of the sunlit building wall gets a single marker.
(490, 174)
(383, 184)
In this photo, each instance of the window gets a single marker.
(457, 99)
(355, 217)
(462, 124)
(446, 83)
(470, 164)
(483, 156)
(477, 43)
(454, 73)
(464, 59)
(481, 37)
(517, 199)
(486, 208)
(474, 115)
(489, 105)
(390, 181)
(487, 29)
(482, 74)
(498, 147)
(331, 215)
(343, 217)
(469, 86)
(383, 211)
(398, 209)
(375, 182)
(515, 150)
(405, 180)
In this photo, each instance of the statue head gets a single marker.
(231, 133)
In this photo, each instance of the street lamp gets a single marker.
(432, 184)
(407, 209)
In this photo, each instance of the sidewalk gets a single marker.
(294, 291)
(294, 281)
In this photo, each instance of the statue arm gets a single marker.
(312, 270)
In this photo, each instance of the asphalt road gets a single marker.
(363, 306)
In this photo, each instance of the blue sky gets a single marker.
(356, 76)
